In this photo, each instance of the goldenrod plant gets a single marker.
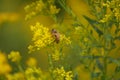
(75, 50)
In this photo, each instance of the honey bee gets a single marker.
(56, 35)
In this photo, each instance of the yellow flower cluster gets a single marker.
(65, 40)
(40, 7)
(16, 76)
(14, 56)
(113, 10)
(53, 9)
(34, 8)
(56, 55)
(31, 62)
(106, 18)
(50, 1)
(41, 37)
(79, 30)
(34, 74)
(61, 74)
(4, 66)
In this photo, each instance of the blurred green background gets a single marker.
(15, 32)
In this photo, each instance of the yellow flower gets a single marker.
(53, 9)
(31, 62)
(85, 39)
(69, 75)
(16, 76)
(61, 74)
(27, 8)
(31, 48)
(39, 5)
(106, 18)
(4, 66)
(56, 55)
(113, 10)
(34, 74)
(102, 52)
(50, 1)
(14, 56)
(31, 14)
(65, 40)
(41, 37)
(33, 9)
(77, 30)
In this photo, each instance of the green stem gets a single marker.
(50, 65)
(21, 70)
(105, 30)
(67, 9)
(20, 67)
(105, 68)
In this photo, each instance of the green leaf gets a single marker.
(60, 16)
(76, 76)
(117, 30)
(76, 24)
(90, 57)
(2, 77)
(99, 64)
(117, 69)
(114, 61)
(95, 74)
(93, 22)
(117, 38)
(108, 37)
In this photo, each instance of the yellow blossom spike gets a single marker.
(14, 56)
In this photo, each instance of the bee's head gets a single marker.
(53, 31)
